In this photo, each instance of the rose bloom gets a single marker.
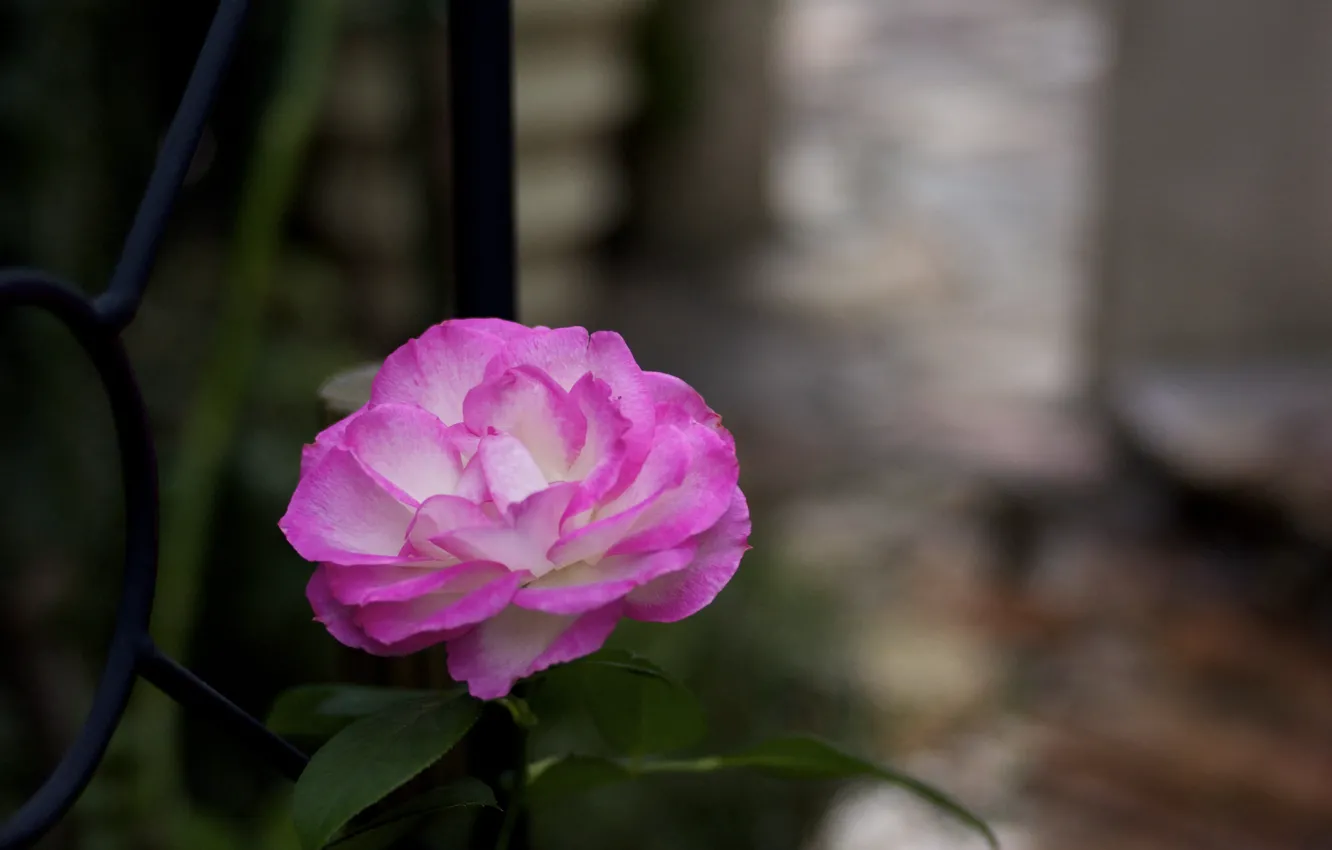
(513, 492)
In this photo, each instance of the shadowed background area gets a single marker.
(1018, 309)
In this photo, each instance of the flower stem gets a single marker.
(517, 797)
(497, 755)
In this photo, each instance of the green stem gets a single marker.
(518, 796)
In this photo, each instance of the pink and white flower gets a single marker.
(513, 492)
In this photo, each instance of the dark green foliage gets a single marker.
(637, 709)
(375, 755)
(321, 711)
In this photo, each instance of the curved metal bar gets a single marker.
(195, 694)
(118, 304)
(96, 325)
(482, 48)
(139, 473)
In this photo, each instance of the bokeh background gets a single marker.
(1019, 309)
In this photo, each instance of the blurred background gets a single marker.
(1019, 310)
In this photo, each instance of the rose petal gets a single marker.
(361, 584)
(517, 643)
(436, 370)
(472, 486)
(668, 389)
(511, 474)
(502, 328)
(612, 362)
(526, 403)
(683, 489)
(521, 449)
(664, 470)
(408, 446)
(340, 513)
(329, 438)
(441, 514)
(567, 354)
(584, 587)
(340, 622)
(681, 594)
(520, 539)
(464, 441)
(604, 449)
(693, 507)
(335, 616)
(560, 353)
(465, 595)
(678, 403)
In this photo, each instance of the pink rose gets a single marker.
(514, 492)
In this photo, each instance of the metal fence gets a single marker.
(480, 42)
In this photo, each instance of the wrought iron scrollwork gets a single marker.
(96, 324)
(482, 139)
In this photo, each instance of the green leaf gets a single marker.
(321, 711)
(795, 758)
(372, 757)
(563, 775)
(379, 838)
(805, 757)
(620, 659)
(637, 709)
(387, 828)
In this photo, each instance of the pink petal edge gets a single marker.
(585, 587)
(341, 513)
(482, 590)
(681, 594)
(518, 643)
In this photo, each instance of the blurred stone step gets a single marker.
(565, 198)
(1226, 650)
(1261, 429)
(1025, 444)
(1194, 762)
(1089, 810)
(572, 86)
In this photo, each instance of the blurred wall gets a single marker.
(700, 155)
(1218, 184)
(575, 89)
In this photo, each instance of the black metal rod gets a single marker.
(194, 694)
(485, 256)
(482, 128)
(118, 304)
(95, 325)
(139, 473)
